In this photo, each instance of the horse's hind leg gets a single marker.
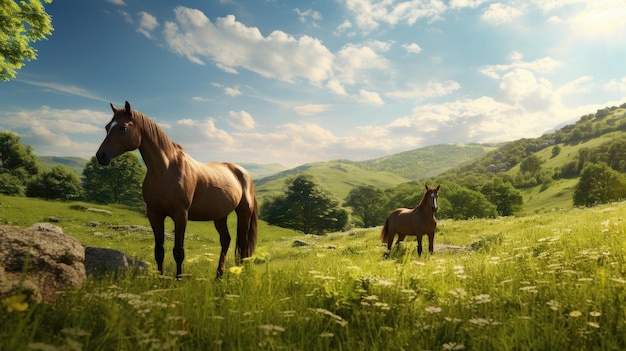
(222, 228)
(431, 242)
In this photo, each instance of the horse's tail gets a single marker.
(246, 239)
(385, 235)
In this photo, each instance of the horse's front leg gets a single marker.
(158, 228)
(419, 244)
(222, 228)
(180, 225)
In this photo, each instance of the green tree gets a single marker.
(368, 205)
(458, 202)
(21, 24)
(119, 182)
(18, 164)
(599, 184)
(305, 206)
(56, 183)
(504, 196)
(556, 151)
(531, 164)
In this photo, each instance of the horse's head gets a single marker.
(122, 135)
(432, 196)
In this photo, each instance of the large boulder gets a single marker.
(39, 261)
(102, 261)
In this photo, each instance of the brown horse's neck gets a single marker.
(423, 204)
(156, 148)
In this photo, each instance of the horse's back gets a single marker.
(219, 189)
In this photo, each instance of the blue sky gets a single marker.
(293, 82)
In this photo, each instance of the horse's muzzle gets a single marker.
(104, 158)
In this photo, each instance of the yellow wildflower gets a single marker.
(236, 270)
(15, 303)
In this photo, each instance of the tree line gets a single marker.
(21, 174)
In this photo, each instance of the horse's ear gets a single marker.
(127, 107)
(438, 187)
(426, 185)
(113, 107)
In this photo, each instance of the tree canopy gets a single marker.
(368, 205)
(119, 182)
(305, 206)
(56, 183)
(21, 24)
(18, 164)
(599, 184)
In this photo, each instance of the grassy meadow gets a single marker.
(550, 281)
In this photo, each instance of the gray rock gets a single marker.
(103, 261)
(39, 261)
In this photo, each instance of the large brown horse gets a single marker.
(418, 221)
(179, 187)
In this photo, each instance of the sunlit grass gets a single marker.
(551, 281)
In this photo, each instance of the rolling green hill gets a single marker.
(262, 170)
(75, 164)
(340, 176)
(590, 132)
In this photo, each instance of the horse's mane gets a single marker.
(152, 131)
(421, 203)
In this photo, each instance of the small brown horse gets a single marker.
(179, 187)
(418, 221)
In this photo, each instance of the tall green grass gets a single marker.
(553, 281)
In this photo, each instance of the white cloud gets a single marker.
(521, 87)
(542, 65)
(336, 87)
(600, 19)
(369, 97)
(306, 14)
(412, 48)
(117, 2)
(241, 120)
(456, 4)
(618, 85)
(498, 13)
(57, 131)
(430, 89)
(203, 132)
(312, 109)
(580, 85)
(344, 27)
(147, 24)
(65, 88)
(232, 91)
(231, 44)
(369, 14)
(354, 61)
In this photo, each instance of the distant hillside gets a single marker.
(340, 176)
(75, 164)
(559, 151)
(428, 161)
(262, 170)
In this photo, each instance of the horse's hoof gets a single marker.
(386, 254)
